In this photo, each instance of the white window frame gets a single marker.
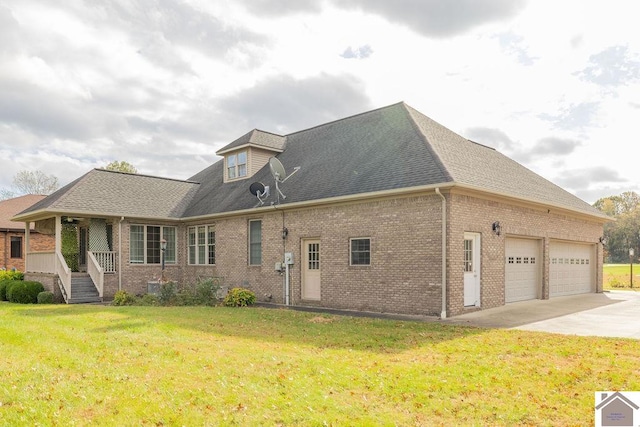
(199, 250)
(253, 242)
(237, 165)
(171, 253)
(351, 252)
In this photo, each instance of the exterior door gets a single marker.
(471, 260)
(311, 270)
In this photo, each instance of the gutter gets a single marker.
(443, 313)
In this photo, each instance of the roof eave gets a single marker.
(248, 145)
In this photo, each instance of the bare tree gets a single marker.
(31, 182)
(121, 167)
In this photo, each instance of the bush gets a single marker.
(206, 291)
(24, 292)
(239, 297)
(168, 293)
(4, 284)
(123, 298)
(11, 275)
(45, 297)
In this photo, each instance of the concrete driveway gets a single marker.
(609, 314)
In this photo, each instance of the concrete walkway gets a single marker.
(609, 314)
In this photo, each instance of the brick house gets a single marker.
(385, 211)
(12, 234)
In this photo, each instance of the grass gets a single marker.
(101, 365)
(618, 276)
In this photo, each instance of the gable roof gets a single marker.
(112, 193)
(10, 207)
(390, 148)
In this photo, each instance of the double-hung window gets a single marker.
(237, 165)
(145, 244)
(360, 251)
(255, 242)
(202, 244)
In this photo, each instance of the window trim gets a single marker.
(351, 252)
(236, 166)
(206, 244)
(250, 260)
(16, 239)
(173, 249)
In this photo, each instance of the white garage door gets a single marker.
(571, 269)
(522, 269)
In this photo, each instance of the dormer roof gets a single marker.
(258, 139)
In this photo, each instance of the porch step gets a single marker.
(83, 291)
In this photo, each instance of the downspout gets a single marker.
(6, 236)
(443, 313)
(120, 253)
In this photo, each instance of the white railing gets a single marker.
(106, 260)
(64, 273)
(96, 272)
(41, 262)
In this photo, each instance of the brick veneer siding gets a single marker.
(38, 242)
(406, 261)
(474, 214)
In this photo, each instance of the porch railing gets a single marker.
(41, 262)
(96, 272)
(106, 260)
(64, 273)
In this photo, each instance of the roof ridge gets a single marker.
(144, 175)
(345, 118)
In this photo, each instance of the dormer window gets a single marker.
(237, 165)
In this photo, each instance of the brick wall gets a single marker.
(38, 242)
(473, 214)
(405, 271)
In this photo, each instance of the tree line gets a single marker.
(624, 233)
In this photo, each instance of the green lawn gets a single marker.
(101, 365)
(618, 276)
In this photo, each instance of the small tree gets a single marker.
(121, 167)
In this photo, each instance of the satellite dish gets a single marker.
(259, 190)
(279, 174)
(277, 170)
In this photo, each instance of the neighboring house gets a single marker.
(389, 211)
(12, 234)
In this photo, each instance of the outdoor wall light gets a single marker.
(285, 232)
(496, 228)
(602, 240)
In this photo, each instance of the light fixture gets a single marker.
(163, 245)
(602, 240)
(496, 228)
(285, 232)
(163, 248)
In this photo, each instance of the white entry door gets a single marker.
(471, 269)
(311, 270)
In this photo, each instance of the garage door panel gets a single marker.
(521, 269)
(570, 269)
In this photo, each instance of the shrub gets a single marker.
(147, 299)
(239, 297)
(11, 275)
(45, 297)
(24, 292)
(123, 298)
(206, 291)
(4, 284)
(168, 293)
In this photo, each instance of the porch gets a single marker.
(81, 259)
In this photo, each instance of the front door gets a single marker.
(471, 269)
(311, 270)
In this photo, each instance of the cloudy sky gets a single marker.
(164, 84)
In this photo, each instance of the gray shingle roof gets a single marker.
(121, 194)
(391, 148)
